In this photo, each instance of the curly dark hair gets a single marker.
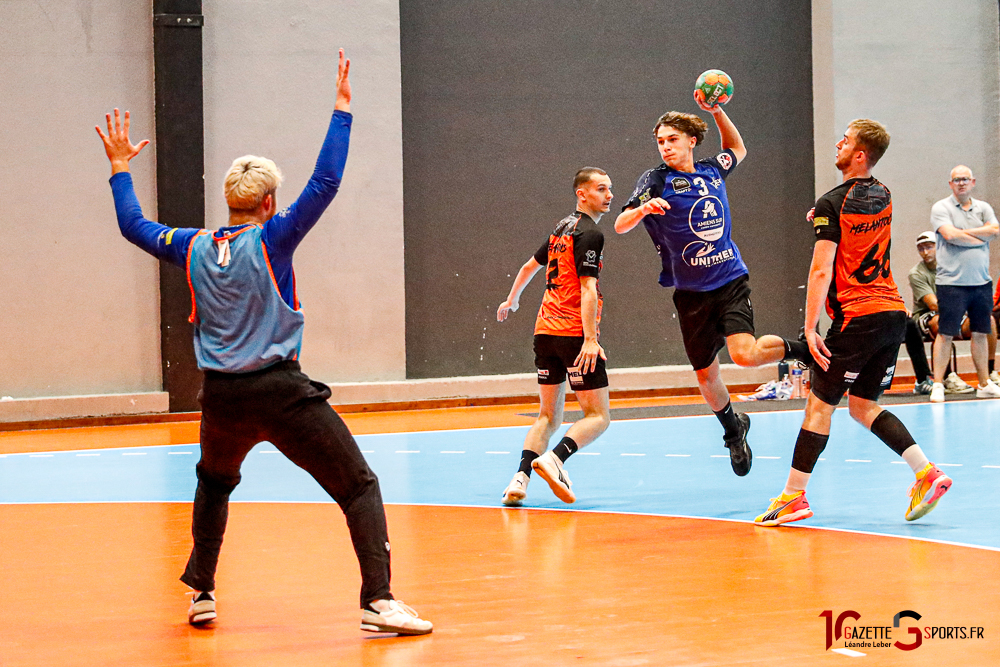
(688, 123)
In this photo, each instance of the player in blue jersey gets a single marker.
(248, 332)
(683, 205)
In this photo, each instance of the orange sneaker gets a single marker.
(785, 509)
(925, 493)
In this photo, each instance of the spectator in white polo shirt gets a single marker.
(965, 227)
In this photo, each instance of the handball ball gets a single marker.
(716, 86)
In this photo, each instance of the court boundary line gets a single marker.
(521, 509)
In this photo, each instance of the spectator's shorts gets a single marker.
(555, 357)
(862, 357)
(954, 301)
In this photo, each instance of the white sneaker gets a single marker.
(396, 617)
(995, 378)
(989, 391)
(516, 490)
(202, 608)
(550, 468)
(953, 384)
(937, 393)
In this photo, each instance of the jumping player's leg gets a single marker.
(745, 350)
(735, 425)
(552, 399)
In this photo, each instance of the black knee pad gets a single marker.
(808, 447)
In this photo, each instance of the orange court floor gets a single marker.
(95, 583)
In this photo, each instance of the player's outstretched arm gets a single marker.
(631, 217)
(521, 281)
(117, 145)
(731, 138)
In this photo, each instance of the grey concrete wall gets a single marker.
(78, 305)
(269, 90)
(930, 71)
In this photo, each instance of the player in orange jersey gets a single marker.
(850, 271)
(566, 338)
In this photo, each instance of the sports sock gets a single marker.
(797, 481)
(566, 448)
(808, 447)
(729, 422)
(797, 350)
(915, 457)
(527, 456)
(887, 428)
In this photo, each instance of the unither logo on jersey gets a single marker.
(705, 219)
(701, 254)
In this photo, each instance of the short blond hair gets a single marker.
(873, 138)
(249, 180)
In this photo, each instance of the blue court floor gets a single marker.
(669, 466)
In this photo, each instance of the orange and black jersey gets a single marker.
(575, 249)
(857, 216)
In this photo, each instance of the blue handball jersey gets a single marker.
(693, 237)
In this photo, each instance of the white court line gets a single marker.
(991, 466)
(170, 453)
(848, 652)
(498, 452)
(407, 451)
(720, 456)
(857, 460)
(679, 456)
(133, 453)
(88, 454)
(452, 452)
(367, 451)
(769, 457)
(949, 465)
(633, 454)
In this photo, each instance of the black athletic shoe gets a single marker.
(740, 455)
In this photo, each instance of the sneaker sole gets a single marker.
(368, 627)
(931, 498)
(562, 493)
(788, 518)
(201, 619)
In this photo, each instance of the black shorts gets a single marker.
(862, 357)
(708, 317)
(554, 357)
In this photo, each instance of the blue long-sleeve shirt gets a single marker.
(281, 234)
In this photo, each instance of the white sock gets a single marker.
(797, 481)
(916, 458)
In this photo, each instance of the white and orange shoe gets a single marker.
(785, 509)
(925, 493)
(202, 609)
